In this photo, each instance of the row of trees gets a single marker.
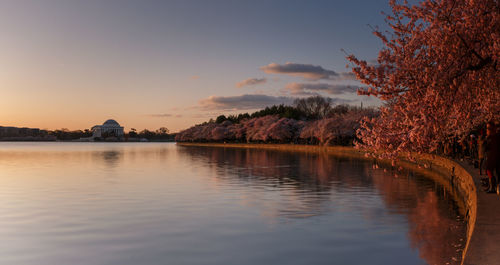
(310, 108)
(161, 134)
(337, 128)
(67, 135)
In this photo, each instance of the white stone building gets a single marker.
(109, 127)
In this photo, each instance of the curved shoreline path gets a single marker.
(484, 244)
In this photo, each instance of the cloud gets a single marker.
(207, 114)
(308, 71)
(243, 102)
(164, 115)
(195, 77)
(305, 89)
(251, 82)
(347, 76)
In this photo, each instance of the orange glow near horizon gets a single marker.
(75, 65)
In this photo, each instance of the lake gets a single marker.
(159, 203)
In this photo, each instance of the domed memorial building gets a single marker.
(108, 128)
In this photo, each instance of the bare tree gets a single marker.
(314, 107)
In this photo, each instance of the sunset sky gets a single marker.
(151, 64)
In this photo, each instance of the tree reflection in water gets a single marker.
(313, 180)
(110, 157)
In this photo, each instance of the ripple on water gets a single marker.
(121, 203)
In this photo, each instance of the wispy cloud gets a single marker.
(164, 115)
(251, 82)
(308, 71)
(195, 77)
(243, 102)
(304, 89)
(347, 76)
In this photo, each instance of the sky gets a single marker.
(151, 64)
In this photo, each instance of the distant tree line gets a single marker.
(311, 108)
(66, 135)
(161, 134)
(313, 120)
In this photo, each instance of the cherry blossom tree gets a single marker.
(438, 74)
(284, 130)
(257, 128)
(339, 129)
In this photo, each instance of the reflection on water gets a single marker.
(111, 157)
(306, 179)
(436, 226)
(158, 203)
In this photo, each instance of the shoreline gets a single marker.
(78, 141)
(457, 180)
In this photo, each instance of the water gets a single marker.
(158, 203)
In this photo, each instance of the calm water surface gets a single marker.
(158, 203)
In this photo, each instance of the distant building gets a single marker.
(108, 128)
(23, 133)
